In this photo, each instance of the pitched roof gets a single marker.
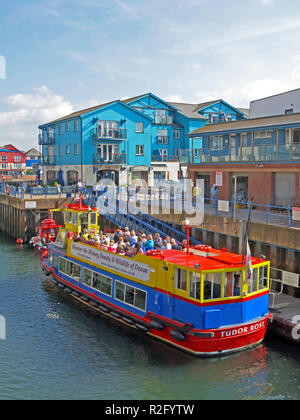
(188, 110)
(79, 113)
(250, 123)
(33, 151)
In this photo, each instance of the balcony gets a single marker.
(48, 160)
(109, 159)
(46, 139)
(110, 134)
(163, 120)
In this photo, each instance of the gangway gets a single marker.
(124, 215)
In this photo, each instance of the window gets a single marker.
(62, 265)
(195, 285)
(87, 277)
(67, 149)
(244, 140)
(60, 129)
(97, 281)
(177, 134)
(68, 127)
(212, 286)
(93, 218)
(73, 270)
(76, 125)
(140, 150)
(197, 153)
(162, 137)
(289, 111)
(68, 217)
(262, 134)
(76, 149)
(18, 159)
(139, 127)
(232, 284)
(61, 151)
(3, 158)
(216, 142)
(130, 295)
(263, 278)
(181, 279)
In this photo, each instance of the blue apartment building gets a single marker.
(263, 154)
(138, 138)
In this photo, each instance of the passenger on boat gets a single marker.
(149, 245)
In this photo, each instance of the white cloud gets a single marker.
(28, 110)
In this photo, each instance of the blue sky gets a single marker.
(64, 55)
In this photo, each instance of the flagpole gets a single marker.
(247, 230)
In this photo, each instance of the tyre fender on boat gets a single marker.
(177, 335)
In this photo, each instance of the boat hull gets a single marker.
(199, 343)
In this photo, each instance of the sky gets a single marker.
(59, 56)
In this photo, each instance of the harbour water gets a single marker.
(55, 348)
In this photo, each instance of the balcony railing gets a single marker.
(109, 159)
(158, 158)
(252, 154)
(46, 139)
(48, 160)
(163, 120)
(110, 134)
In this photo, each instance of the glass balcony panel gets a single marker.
(259, 153)
(296, 152)
(247, 154)
(271, 153)
(284, 152)
(235, 155)
(109, 159)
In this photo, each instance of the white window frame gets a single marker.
(140, 151)
(139, 127)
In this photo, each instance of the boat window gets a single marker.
(73, 270)
(84, 218)
(62, 265)
(120, 291)
(252, 282)
(233, 284)
(75, 218)
(87, 277)
(263, 278)
(68, 217)
(130, 295)
(181, 279)
(93, 218)
(195, 285)
(102, 283)
(140, 299)
(51, 258)
(213, 286)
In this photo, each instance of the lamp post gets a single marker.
(234, 200)
(186, 225)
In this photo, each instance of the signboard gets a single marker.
(224, 206)
(110, 261)
(219, 179)
(290, 279)
(30, 204)
(296, 213)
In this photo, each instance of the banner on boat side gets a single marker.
(112, 262)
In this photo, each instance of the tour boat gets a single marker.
(46, 233)
(201, 301)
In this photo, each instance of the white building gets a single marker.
(282, 104)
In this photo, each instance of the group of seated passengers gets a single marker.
(128, 243)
